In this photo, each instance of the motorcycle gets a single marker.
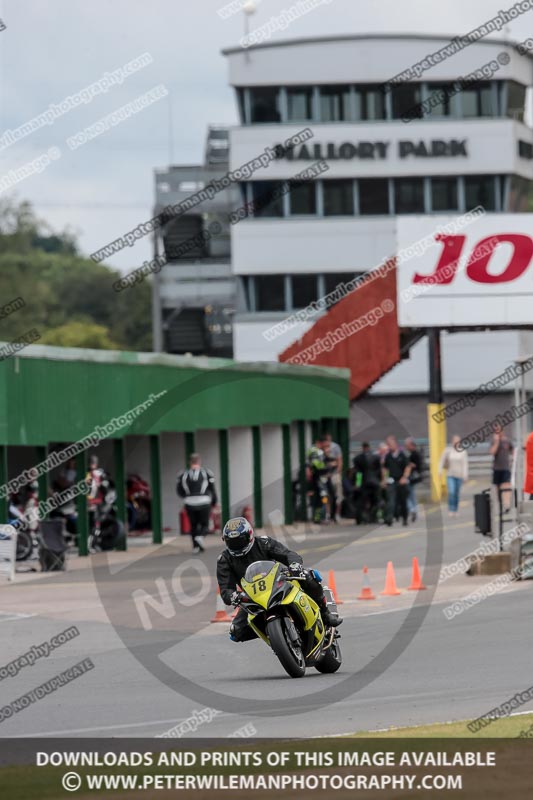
(22, 514)
(288, 620)
(139, 500)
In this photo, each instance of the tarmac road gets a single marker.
(412, 669)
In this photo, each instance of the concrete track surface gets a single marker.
(405, 663)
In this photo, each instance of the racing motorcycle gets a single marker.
(288, 620)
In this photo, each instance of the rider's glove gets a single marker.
(296, 567)
(236, 598)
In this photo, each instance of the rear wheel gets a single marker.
(332, 658)
(289, 653)
(24, 545)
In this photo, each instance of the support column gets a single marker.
(343, 428)
(302, 511)
(120, 483)
(81, 506)
(287, 474)
(258, 482)
(223, 451)
(41, 454)
(3, 482)
(190, 446)
(436, 430)
(155, 478)
(315, 429)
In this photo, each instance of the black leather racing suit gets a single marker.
(230, 570)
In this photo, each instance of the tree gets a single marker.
(80, 334)
(64, 293)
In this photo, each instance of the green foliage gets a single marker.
(69, 299)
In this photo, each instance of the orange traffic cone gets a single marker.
(416, 580)
(221, 615)
(333, 586)
(366, 591)
(390, 589)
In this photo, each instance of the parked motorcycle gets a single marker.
(288, 620)
(106, 530)
(139, 501)
(22, 515)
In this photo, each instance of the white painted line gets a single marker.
(103, 728)
(16, 616)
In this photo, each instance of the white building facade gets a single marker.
(430, 147)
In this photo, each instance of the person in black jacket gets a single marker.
(368, 467)
(242, 549)
(396, 469)
(197, 487)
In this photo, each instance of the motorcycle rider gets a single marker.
(319, 471)
(242, 549)
(196, 486)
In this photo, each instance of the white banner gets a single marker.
(455, 273)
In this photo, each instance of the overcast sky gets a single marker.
(53, 48)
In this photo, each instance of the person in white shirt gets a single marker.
(455, 463)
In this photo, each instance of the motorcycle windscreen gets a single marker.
(258, 581)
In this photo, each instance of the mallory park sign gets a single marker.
(406, 148)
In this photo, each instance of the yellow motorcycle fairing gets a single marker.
(260, 589)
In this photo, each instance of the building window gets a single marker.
(520, 194)
(334, 103)
(516, 100)
(409, 195)
(438, 102)
(302, 197)
(406, 100)
(373, 196)
(480, 191)
(267, 197)
(269, 292)
(477, 100)
(338, 198)
(304, 290)
(444, 194)
(265, 104)
(334, 279)
(299, 103)
(370, 102)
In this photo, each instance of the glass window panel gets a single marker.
(338, 197)
(267, 198)
(304, 290)
(516, 100)
(444, 194)
(373, 196)
(269, 292)
(409, 195)
(438, 103)
(302, 197)
(264, 103)
(299, 103)
(370, 102)
(405, 100)
(480, 191)
(334, 103)
(477, 100)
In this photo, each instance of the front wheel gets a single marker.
(332, 658)
(290, 655)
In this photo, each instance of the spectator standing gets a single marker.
(502, 449)
(367, 478)
(197, 488)
(415, 476)
(395, 478)
(455, 462)
(334, 457)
